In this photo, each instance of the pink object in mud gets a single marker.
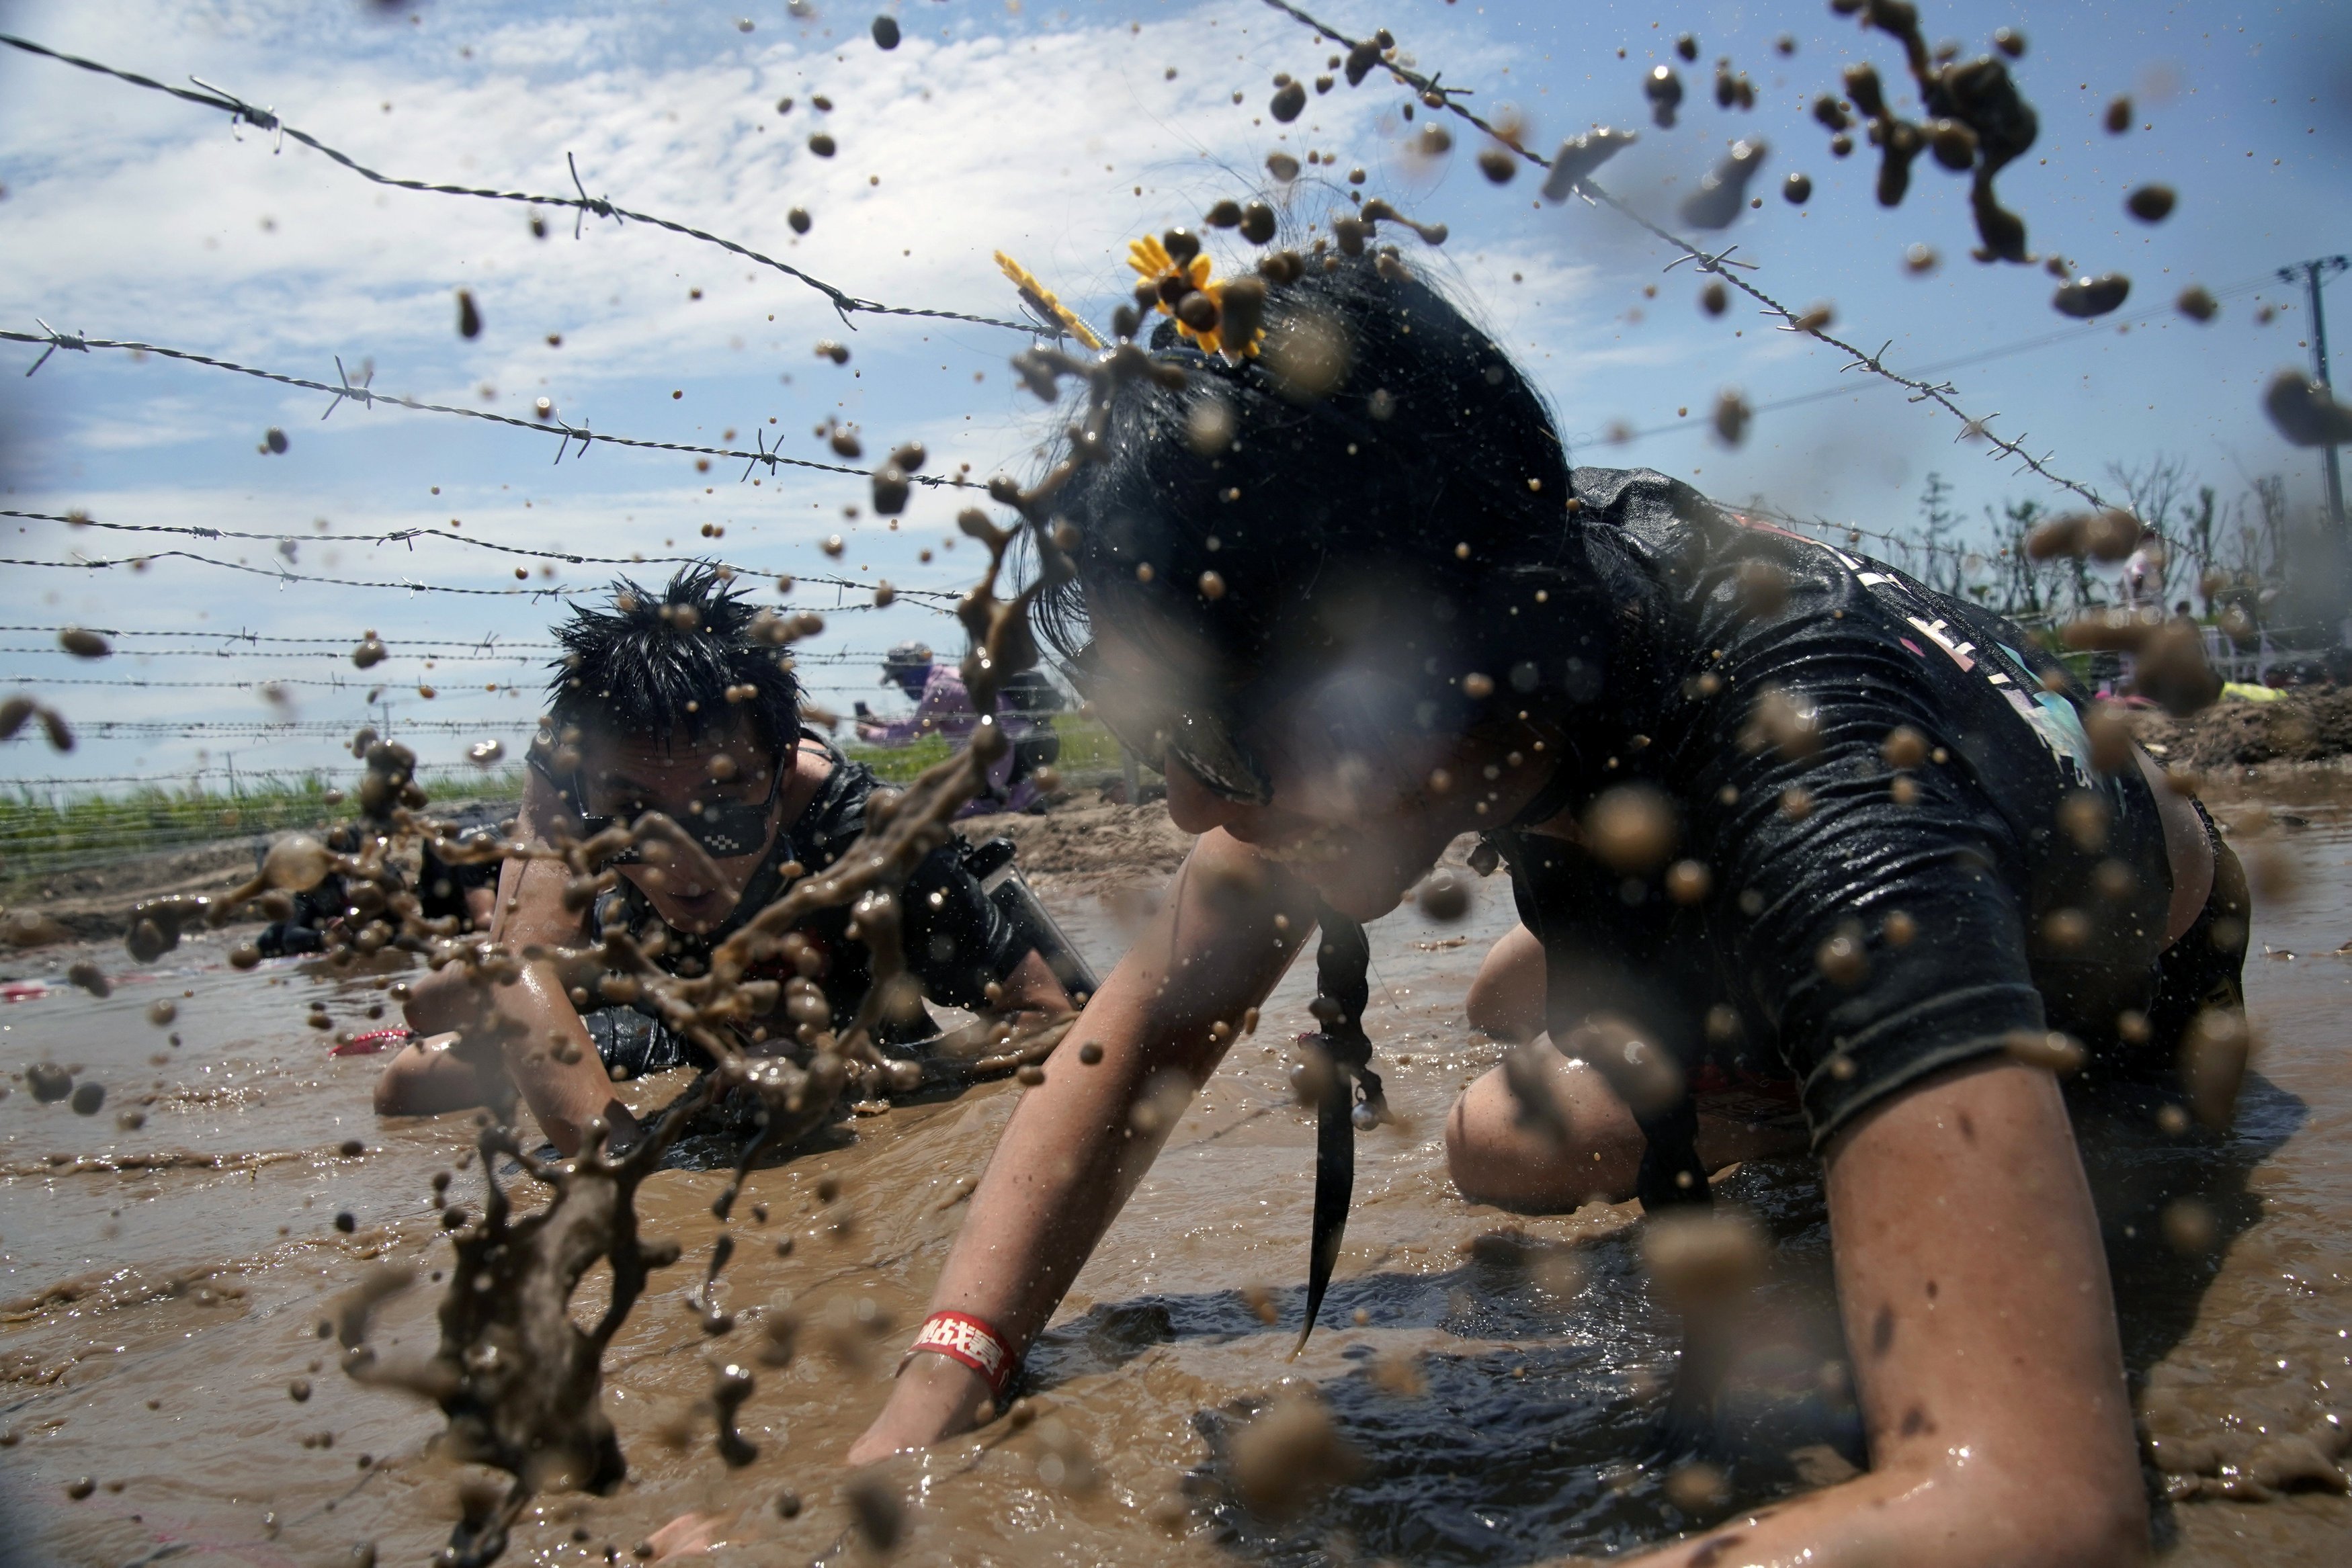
(368, 1044)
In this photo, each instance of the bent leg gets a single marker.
(1506, 999)
(1494, 1156)
(427, 1078)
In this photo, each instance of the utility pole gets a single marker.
(2313, 274)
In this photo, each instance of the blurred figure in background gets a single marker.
(943, 707)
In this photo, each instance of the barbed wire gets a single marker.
(1617, 438)
(409, 536)
(408, 585)
(1718, 264)
(846, 304)
(549, 423)
(341, 651)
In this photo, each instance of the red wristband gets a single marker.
(961, 1337)
(375, 1040)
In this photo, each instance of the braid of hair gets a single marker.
(1343, 961)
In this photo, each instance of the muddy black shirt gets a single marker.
(956, 940)
(1971, 905)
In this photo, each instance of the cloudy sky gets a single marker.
(1055, 133)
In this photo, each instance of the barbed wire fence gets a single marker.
(577, 439)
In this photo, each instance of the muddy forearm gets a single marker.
(1074, 1150)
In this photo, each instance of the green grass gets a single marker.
(40, 834)
(1087, 748)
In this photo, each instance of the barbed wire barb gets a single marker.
(599, 205)
(238, 110)
(78, 342)
(356, 391)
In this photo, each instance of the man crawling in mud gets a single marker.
(673, 703)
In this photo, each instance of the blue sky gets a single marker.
(130, 215)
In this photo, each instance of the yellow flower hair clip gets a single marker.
(1040, 298)
(1222, 317)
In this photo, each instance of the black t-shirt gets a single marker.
(956, 940)
(2033, 888)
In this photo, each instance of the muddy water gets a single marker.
(1495, 1377)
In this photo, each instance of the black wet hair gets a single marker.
(673, 665)
(1414, 493)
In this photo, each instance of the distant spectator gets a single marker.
(943, 707)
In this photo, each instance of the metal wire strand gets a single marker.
(584, 205)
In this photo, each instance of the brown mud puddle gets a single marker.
(1497, 1376)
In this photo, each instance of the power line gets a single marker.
(1718, 265)
(584, 205)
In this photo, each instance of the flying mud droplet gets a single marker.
(485, 754)
(1289, 102)
(878, 1510)
(1920, 260)
(2118, 118)
(1723, 190)
(885, 32)
(1714, 298)
(88, 1099)
(1663, 89)
(799, 220)
(1703, 1262)
(1445, 895)
(162, 1012)
(838, 353)
(2086, 297)
(2050, 1049)
(1580, 156)
(1499, 164)
(1289, 1455)
(2213, 1055)
(1434, 142)
(1797, 189)
(83, 644)
(1730, 417)
(2009, 42)
(469, 316)
(2197, 303)
(822, 144)
(2305, 412)
(1632, 828)
(89, 977)
(295, 864)
(48, 1083)
(1282, 166)
(273, 441)
(2190, 1226)
(2150, 204)
(1687, 46)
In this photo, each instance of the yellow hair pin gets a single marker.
(1038, 297)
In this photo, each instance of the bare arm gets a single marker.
(1071, 1154)
(1982, 1330)
(532, 1018)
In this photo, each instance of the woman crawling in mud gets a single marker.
(673, 703)
(1785, 830)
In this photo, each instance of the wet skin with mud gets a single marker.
(1497, 1376)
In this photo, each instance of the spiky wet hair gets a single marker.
(660, 665)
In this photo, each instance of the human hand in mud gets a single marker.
(515, 1031)
(1083, 1137)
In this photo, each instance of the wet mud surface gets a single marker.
(161, 1289)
